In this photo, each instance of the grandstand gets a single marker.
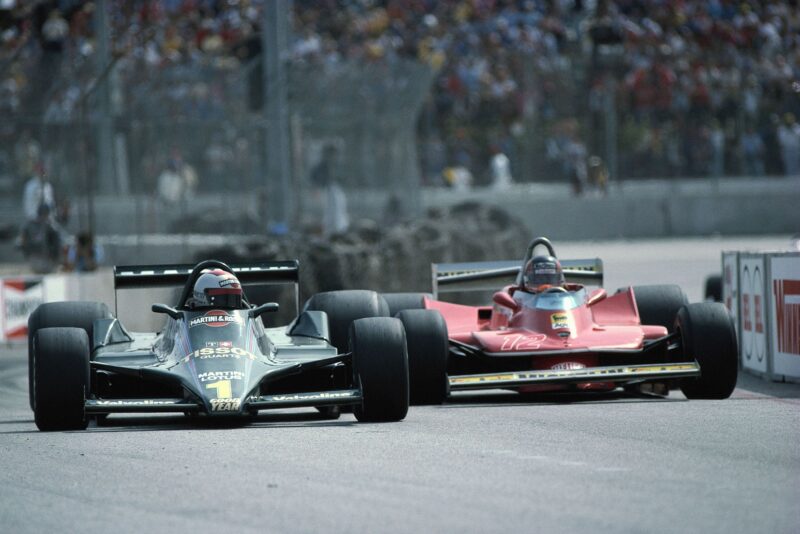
(648, 88)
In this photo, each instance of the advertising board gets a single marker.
(18, 298)
(753, 347)
(730, 286)
(784, 310)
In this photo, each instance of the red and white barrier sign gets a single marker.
(730, 286)
(18, 298)
(752, 308)
(784, 303)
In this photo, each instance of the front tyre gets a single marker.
(72, 314)
(61, 376)
(380, 365)
(707, 336)
(428, 349)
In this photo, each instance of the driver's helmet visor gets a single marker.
(224, 297)
(544, 273)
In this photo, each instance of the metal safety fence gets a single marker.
(172, 135)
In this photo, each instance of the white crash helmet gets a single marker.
(216, 289)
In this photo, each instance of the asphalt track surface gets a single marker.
(488, 462)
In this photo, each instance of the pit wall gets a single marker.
(762, 292)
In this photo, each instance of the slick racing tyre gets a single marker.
(707, 336)
(428, 348)
(659, 304)
(344, 307)
(61, 376)
(380, 366)
(404, 301)
(66, 314)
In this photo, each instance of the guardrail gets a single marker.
(762, 292)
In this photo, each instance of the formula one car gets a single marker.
(213, 357)
(549, 332)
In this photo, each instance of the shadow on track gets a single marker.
(500, 399)
(184, 423)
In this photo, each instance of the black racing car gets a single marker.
(216, 361)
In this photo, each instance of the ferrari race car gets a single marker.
(562, 335)
(217, 359)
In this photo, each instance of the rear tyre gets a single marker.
(713, 290)
(428, 348)
(62, 314)
(659, 304)
(344, 307)
(707, 335)
(61, 377)
(398, 302)
(380, 365)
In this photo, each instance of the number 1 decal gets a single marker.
(223, 388)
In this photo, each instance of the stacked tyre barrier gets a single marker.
(369, 256)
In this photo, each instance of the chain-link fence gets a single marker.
(186, 145)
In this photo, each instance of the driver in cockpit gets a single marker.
(541, 273)
(216, 288)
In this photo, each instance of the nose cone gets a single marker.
(219, 368)
(223, 390)
(221, 376)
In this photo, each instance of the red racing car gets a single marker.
(548, 331)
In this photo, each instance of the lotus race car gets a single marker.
(216, 362)
(562, 336)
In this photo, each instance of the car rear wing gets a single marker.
(492, 275)
(261, 273)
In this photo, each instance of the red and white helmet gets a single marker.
(216, 289)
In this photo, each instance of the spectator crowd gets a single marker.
(696, 88)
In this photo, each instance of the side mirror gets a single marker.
(163, 308)
(266, 307)
(501, 298)
(596, 296)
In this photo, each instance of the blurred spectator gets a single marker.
(171, 187)
(789, 141)
(717, 142)
(83, 255)
(500, 169)
(457, 177)
(575, 164)
(752, 148)
(598, 175)
(55, 32)
(40, 242)
(38, 192)
(177, 182)
(335, 218)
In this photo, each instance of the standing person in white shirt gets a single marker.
(501, 169)
(38, 192)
